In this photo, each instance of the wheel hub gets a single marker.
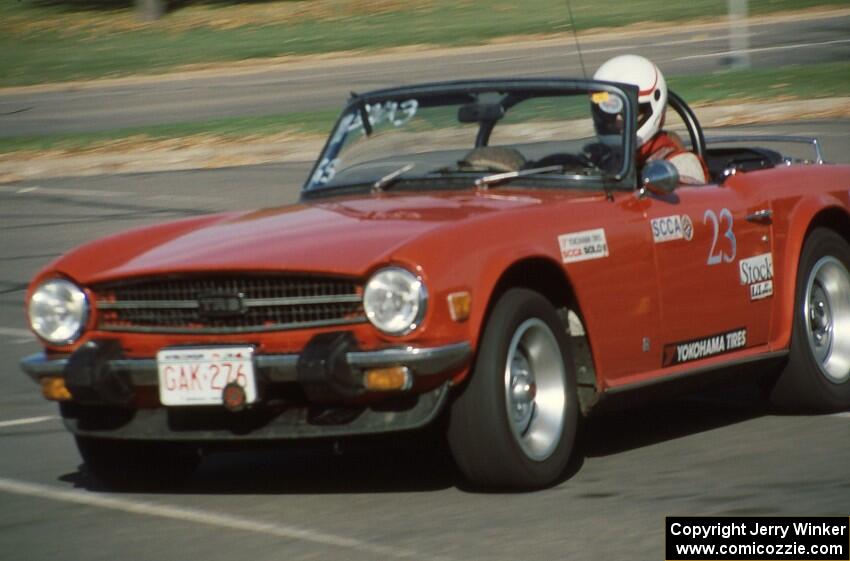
(535, 389)
(820, 317)
(523, 390)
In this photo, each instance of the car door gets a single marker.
(618, 284)
(715, 270)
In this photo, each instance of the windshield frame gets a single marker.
(465, 90)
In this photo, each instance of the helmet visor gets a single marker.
(644, 113)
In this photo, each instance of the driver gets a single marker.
(653, 143)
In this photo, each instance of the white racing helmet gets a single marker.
(652, 96)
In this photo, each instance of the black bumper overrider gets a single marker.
(328, 371)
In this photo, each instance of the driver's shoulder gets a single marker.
(690, 168)
(674, 139)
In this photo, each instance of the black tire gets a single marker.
(813, 380)
(485, 442)
(133, 465)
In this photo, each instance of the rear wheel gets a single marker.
(817, 376)
(514, 423)
(123, 464)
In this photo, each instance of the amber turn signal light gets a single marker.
(459, 304)
(394, 378)
(54, 389)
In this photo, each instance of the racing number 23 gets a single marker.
(718, 254)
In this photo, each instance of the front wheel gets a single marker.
(817, 376)
(514, 423)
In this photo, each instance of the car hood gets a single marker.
(339, 236)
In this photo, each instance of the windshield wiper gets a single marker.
(390, 178)
(488, 180)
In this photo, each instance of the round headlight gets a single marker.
(57, 311)
(394, 300)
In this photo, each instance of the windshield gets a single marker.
(416, 137)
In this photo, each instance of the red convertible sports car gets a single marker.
(477, 252)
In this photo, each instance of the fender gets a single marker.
(493, 272)
(799, 221)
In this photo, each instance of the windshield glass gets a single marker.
(415, 137)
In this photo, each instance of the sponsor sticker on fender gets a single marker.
(582, 246)
(669, 228)
(696, 349)
(757, 273)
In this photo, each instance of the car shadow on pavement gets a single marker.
(420, 461)
(417, 461)
(663, 420)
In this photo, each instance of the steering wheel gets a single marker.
(691, 122)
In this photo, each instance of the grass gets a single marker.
(804, 82)
(58, 40)
(828, 79)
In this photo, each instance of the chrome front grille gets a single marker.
(227, 304)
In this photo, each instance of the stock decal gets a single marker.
(757, 273)
(582, 246)
(704, 347)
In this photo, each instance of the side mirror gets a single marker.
(659, 177)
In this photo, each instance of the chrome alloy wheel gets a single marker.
(535, 389)
(827, 318)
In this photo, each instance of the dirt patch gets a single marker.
(777, 112)
(140, 154)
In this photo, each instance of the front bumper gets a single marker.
(425, 361)
(104, 406)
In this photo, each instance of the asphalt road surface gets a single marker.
(297, 88)
(714, 453)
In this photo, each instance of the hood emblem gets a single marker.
(221, 305)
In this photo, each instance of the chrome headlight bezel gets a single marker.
(412, 308)
(68, 300)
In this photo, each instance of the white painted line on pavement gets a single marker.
(15, 332)
(51, 191)
(222, 521)
(16, 336)
(99, 194)
(69, 192)
(845, 415)
(765, 49)
(27, 421)
(535, 55)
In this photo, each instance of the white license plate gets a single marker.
(197, 376)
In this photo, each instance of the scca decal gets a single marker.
(668, 228)
(713, 345)
(687, 227)
(582, 246)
